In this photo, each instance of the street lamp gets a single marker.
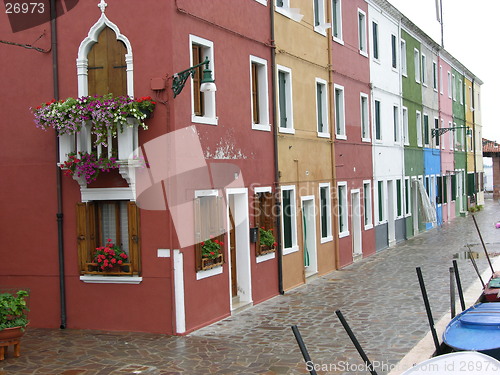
(207, 82)
(441, 131)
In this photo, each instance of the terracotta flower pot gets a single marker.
(11, 333)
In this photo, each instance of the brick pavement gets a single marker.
(379, 296)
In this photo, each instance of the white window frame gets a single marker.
(454, 87)
(394, 52)
(322, 27)
(406, 136)
(285, 10)
(451, 138)
(365, 120)
(449, 84)
(384, 209)
(437, 137)
(262, 71)
(441, 83)
(362, 39)
(328, 218)
(203, 274)
(396, 124)
(416, 59)
(435, 78)
(401, 198)
(407, 196)
(340, 128)
(324, 108)
(418, 125)
(343, 232)
(337, 26)
(460, 91)
(404, 64)
(289, 100)
(293, 203)
(378, 140)
(367, 205)
(426, 128)
(263, 2)
(210, 117)
(423, 69)
(375, 41)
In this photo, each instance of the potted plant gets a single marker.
(105, 114)
(110, 257)
(267, 241)
(211, 253)
(13, 314)
(87, 165)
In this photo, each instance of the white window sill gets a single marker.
(287, 130)
(205, 120)
(369, 226)
(338, 40)
(98, 279)
(344, 234)
(363, 53)
(323, 135)
(368, 140)
(326, 239)
(265, 257)
(341, 136)
(262, 127)
(291, 250)
(208, 273)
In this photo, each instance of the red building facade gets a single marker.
(353, 151)
(202, 171)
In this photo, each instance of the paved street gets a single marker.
(379, 296)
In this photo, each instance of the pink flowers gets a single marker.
(109, 256)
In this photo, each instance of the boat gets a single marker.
(477, 329)
(491, 292)
(471, 363)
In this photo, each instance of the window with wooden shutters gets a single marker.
(107, 69)
(197, 94)
(209, 225)
(117, 221)
(285, 105)
(203, 108)
(255, 94)
(264, 220)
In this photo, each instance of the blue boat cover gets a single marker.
(477, 328)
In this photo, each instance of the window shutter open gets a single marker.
(255, 94)
(197, 94)
(81, 234)
(134, 239)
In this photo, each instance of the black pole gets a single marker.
(482, 242)
(428, 310)
(471, 257)
(452, 293)
(303, 349)
(356, 343)
(459, 285)
(59, 214)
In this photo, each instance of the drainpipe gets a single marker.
(276, 169)
(59, 215)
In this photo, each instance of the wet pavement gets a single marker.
(379, 296)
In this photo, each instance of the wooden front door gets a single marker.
(232, 249)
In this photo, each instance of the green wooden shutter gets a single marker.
(319, 99)
(282, 99)
(287, 219)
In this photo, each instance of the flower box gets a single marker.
(266, 249)
(208, 263)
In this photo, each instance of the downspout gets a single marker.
(276, 170)
(474, 141)
(59, 215)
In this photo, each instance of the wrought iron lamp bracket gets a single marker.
(179, 79)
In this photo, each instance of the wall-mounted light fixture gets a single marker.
(207, 82)
(441, 131)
